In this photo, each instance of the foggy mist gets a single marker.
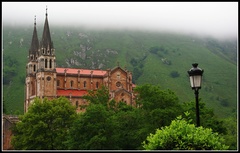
(218, 19)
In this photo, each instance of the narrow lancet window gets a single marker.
(50, 64)
(58, 83)
(97, 85)
(46, 63)
(71, 84)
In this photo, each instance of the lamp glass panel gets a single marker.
(191, 81)
(196, 81)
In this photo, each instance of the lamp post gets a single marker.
(195, 75)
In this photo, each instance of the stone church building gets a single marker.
(45, 79)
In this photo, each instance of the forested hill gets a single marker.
(153, 57)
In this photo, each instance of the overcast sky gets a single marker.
(219, 19)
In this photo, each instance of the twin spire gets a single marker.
(46, 37)
(46, 42)
(35, 43)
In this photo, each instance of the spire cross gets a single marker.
(46, 10)
(35, 20)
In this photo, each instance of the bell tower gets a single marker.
(31, 69)
(46, 65)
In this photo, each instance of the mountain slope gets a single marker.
(156, 58)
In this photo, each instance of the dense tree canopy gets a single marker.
(106, 125)
(45, 126)
(113, 125)
(10, 67)
(160, 106)
(231, 135)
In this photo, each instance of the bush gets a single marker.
(181, 135)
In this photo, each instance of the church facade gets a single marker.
(45, 79)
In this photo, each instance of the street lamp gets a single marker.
(195, 75)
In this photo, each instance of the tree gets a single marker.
(112, 125)
(101, 96)
(9, 69)
(160, 106)
(89, 131)
(45, 126)
(137, 72)
(232, 132)
(207, 117)
(106, 124)
(181, 135)
(127, 128)
(102, 129)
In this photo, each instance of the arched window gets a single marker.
(71, 83)
(34, 68)
(41, 63)
(97, 84)
(84, 84)
(45, 63)
(50, 63)
(32, 88)
(118, 75)
(76, 103)
(58, 83)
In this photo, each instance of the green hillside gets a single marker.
(153, 57)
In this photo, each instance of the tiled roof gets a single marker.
(72, 92)
(82, 71)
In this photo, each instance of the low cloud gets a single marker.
(218, 19)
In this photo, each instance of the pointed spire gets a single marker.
(46, 37)
(35, 43)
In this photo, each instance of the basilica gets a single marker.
(45, 79)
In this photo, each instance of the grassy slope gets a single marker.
(220, 75)
(14, 92)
